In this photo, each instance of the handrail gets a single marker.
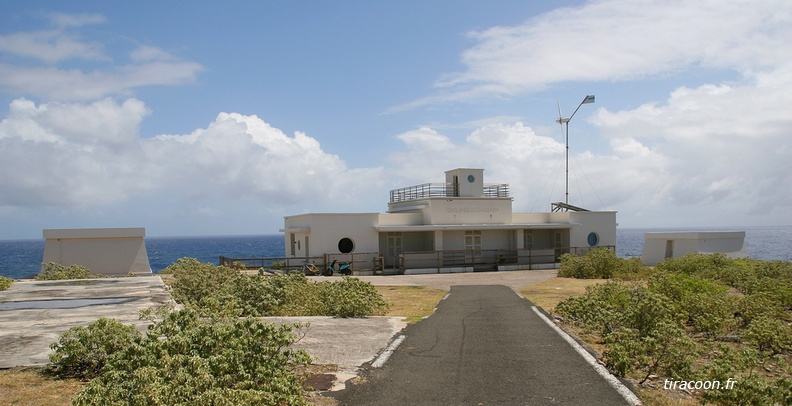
(487, 259)
(426, 190)
(362, 261)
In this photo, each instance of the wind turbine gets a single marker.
(564, 122)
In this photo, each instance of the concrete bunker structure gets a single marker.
(659, 246)
(105, 251)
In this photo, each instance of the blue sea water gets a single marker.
(22, 258)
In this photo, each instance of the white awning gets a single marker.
(436, 227)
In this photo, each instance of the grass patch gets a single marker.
(549, 293)
(411, 302)
(36, 386)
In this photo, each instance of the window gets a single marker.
(473, 240)
(528, 239)
(593, 239)
(345, 245)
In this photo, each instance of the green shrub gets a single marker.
(600, 263)
(706, 305)
(188, 360)
(83, 351)
(53, 271)
(666, 349)
(750, 307)
(615, 305)
(352, 297)
(221, 291)
(768, 334)
(5, 283)
(694, 263)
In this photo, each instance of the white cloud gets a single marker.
(64, 20)
(70, 155)
(149, 66)
(76, 85)
(614, 40)
(50, 46)
(87, 155)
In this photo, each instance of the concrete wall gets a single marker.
(660, 246)
(324, 231)
(106, 251)
(601, 223)
(469, 211)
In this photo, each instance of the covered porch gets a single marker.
(470, 248)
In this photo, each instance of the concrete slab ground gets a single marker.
(347, 343)
(33, 314)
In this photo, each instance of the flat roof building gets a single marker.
(660, 246)
(105, 251)
(461, 225)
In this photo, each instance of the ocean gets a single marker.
(22, 258)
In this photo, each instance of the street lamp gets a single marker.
(565, 120)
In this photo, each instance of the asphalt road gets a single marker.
(483, 346)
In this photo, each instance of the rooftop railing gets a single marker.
(426, 190)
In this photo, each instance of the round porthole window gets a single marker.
(345, 245)
(593, 239)
(471, 178)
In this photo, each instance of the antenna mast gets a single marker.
(564, 121)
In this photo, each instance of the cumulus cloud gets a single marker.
(720, 142)
(71, 155)
(84, 155)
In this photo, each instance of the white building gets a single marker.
(661, 246)
(462, 225)
(105, 251)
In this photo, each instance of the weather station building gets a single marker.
(461, 225)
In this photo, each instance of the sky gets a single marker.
(221, 118)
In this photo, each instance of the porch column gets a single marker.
(438, 240)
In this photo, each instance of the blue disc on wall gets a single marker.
(593, 239)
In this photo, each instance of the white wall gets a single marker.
(106, 251)
(325, 230)
(660, 246)
(603, 223)
(469, 211)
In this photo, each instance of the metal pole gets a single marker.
(587, 99)
(566, 195)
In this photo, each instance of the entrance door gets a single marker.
(395, 248)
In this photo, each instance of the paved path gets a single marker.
(513, 279)
(483, 346)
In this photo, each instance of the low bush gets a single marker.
(769, 334)
(615, 305)
(704, 303)
(665, 349)
(185, 359)
(352, 297)
(53, 271)
(674, 325)
(5, 283)
(217, 290)
(600, 263)
(82, 352)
